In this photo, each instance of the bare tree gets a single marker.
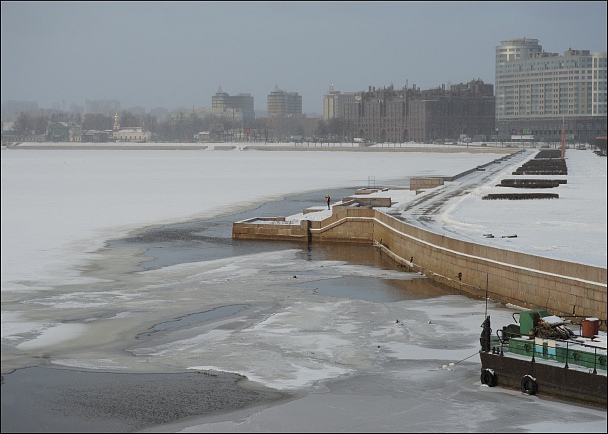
(23, 124)
(97, 121)
(128, 119)
(600, 143)
(151, 123)
(39, 124)
(322, 130)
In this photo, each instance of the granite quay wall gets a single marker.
(346, 225)
(271, 229)
(529, 281)
(425, 183)
(370, 201)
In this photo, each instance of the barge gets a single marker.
(541, 355)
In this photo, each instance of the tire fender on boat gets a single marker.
(488, 378)
(528, 385)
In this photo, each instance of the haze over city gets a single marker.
(177, 54)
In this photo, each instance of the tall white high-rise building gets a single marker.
(537, 91)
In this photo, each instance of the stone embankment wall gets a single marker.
(529, 281)
(271, 228)
(525, 280)
(425, 183)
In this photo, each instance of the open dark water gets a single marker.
(205, 240)
(61, 400)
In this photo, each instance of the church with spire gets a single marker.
(130, 134)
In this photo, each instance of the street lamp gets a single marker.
(462, 138)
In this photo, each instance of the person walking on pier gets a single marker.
(328, 199)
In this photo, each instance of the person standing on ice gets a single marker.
(328, 199)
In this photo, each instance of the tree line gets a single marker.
(183, 126)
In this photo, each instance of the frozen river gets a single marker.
(319, 339)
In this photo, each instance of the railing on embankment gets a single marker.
(525, 280)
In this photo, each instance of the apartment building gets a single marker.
(378, 115)
(333, 103)
(281, 103)
(106, 107)
(452, 113)
(537, 92)
(243, 103)
(11, 109)
(412, 114)
(229, 117)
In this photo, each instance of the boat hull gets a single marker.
(532, 377)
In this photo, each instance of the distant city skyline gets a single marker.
(177, 54)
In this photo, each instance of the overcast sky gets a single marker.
(177, 54)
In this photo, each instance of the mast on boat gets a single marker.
(563, 138)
